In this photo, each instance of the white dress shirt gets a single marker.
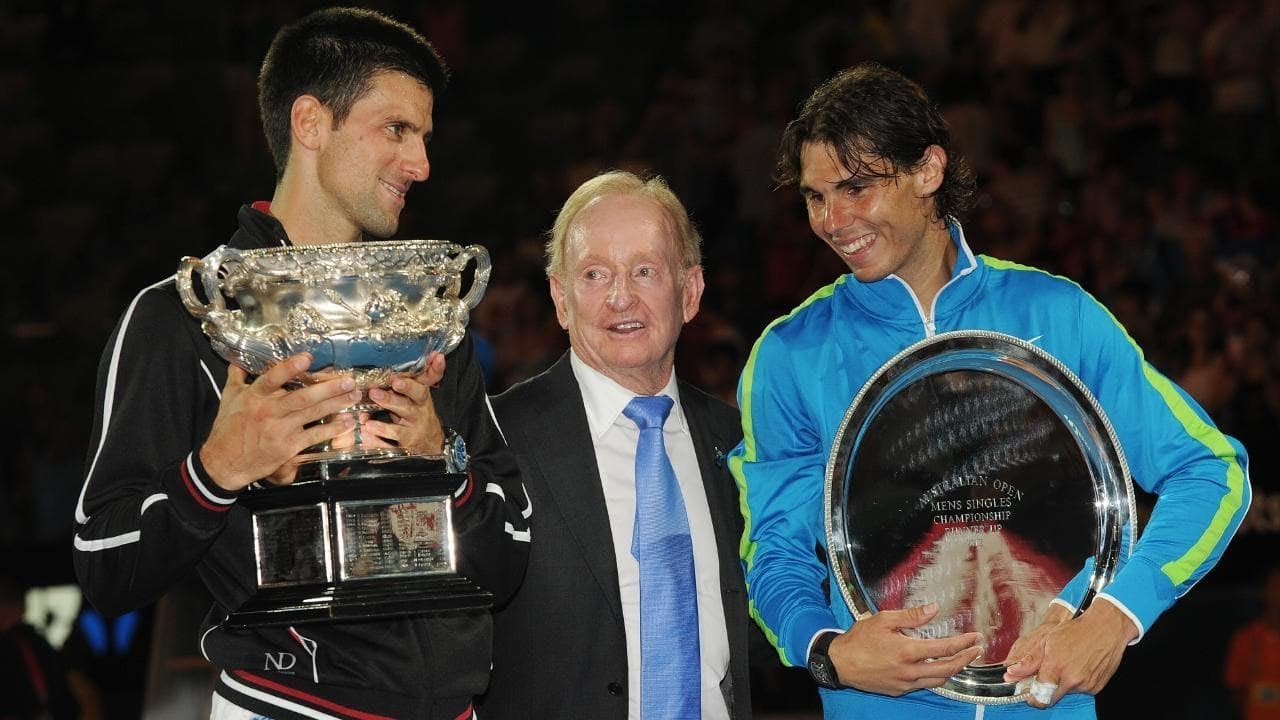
(615, 437)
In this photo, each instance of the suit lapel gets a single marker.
(563, 454)
(711, 450)
(711, 443)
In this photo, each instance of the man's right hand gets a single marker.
(261, 426)
(875, 656)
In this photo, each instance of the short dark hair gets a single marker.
(869, 112)
(333, 55)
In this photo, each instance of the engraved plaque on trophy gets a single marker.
(367, 530)
(976, 471)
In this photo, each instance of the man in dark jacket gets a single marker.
(581, 638)
(346, 98)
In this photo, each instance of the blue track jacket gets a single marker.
(807, 367)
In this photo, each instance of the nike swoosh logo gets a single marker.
(1034, 339)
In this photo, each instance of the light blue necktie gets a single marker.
(670, 669)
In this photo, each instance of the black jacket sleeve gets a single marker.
(146, 515)
(492, 510)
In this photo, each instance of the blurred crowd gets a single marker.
(1127, 144)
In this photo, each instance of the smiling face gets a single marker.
(624, 296)
(879, 226)
(365, 165)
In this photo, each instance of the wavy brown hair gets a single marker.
(869, 113)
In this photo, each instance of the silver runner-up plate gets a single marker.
(976, 471)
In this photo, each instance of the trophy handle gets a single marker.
(186, 290)
(481, 279)
(208, 268)
(253, 352)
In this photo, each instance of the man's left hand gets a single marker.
(1079, 655)
(415, 425)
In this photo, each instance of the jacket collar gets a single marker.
(892, 300)
(258, 229)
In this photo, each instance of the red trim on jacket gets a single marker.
(466, 494)
(195, 493)
(285, 690)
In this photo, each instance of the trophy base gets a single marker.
(321, 456)
(355, 540)
(351, 603)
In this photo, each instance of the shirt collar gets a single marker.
(604, 398)
(259, 228)
(891, 298)
(965, 261)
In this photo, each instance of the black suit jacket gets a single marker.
(559, 646)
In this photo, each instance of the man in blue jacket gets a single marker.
(882, 186)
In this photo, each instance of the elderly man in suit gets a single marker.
(611, 622)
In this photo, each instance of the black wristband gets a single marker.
(821, 668)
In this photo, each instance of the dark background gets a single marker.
(1129, 145)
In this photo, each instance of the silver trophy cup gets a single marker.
(976, 471)
(366, 531)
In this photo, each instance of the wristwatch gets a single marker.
(455, 452)
(820, 665)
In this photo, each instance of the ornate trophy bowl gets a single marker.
(365, 531)
(370, 310)
(976, 471)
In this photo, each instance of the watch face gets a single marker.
(821, 671)
(456, 453)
